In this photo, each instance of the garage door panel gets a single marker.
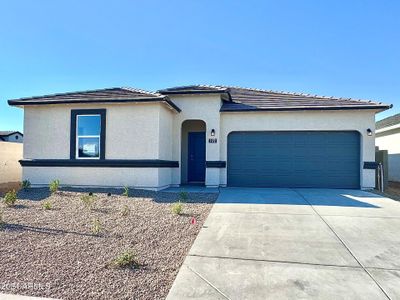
(294, 159)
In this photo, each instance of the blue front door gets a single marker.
(196, 156)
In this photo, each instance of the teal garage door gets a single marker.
(317, 159)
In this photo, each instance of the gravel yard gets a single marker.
(56, 250)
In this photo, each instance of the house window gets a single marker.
(88, 134)
(88, 128)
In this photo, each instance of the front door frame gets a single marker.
(196, 160)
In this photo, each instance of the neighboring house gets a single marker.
(11, 136)
(212, 135)
(388, 138)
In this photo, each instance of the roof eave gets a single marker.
(165, 100)
(371, 107)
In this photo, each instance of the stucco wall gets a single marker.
(10, 169)
(390, 141)
(133, 131)
(102, 177)
(166, 118)
(197, 107)
(305, 120)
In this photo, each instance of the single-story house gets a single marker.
(11, 136)
(210, 135)
(388, 138)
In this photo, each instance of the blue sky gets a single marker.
(333, 48)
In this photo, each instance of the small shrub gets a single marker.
(10, 198)
(184, 196)
(125, 211)
(177, 208)
(54, 185)
(126, 191)
(90, 194)
(2, 223)
(46, 205)
(126, 259)
(109, 194)
(26, 184)
(96, 227)
(88, 201)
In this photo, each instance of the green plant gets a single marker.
(184, 196)
(26, 184)
(96, 226)
(54, 185)
(177, 208)
(125, 211)
(89, 201)
(126, 259)
(46, 205)
(126, 191)
(2, 223)
(10, 198)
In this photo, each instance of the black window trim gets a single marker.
(74, 115)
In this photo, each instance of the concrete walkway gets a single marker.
(295, 244)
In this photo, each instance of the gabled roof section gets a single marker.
(250, 99)
(389, 121)
(109, 95)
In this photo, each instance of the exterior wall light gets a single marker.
(369, 132)
(212, 132)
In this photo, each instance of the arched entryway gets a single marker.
(193, 152)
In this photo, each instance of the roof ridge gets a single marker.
(302, 94)
(194, 86)
(219, 87)
(131, 89)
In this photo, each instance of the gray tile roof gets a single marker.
(389, 121)
(235, 98)
(249, 99)
(118, 94)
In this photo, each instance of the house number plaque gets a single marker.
(212, 141)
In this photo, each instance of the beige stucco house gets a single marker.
(388, 138)
(210, 135)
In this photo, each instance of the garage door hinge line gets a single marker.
(344, 244)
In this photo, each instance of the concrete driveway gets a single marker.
(295, 244)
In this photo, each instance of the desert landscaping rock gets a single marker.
(57, 250)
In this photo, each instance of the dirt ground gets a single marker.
(393, 190)
(55, 253)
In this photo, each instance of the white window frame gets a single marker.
(77, 136)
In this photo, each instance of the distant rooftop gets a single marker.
(389, 121)
(7, 133)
